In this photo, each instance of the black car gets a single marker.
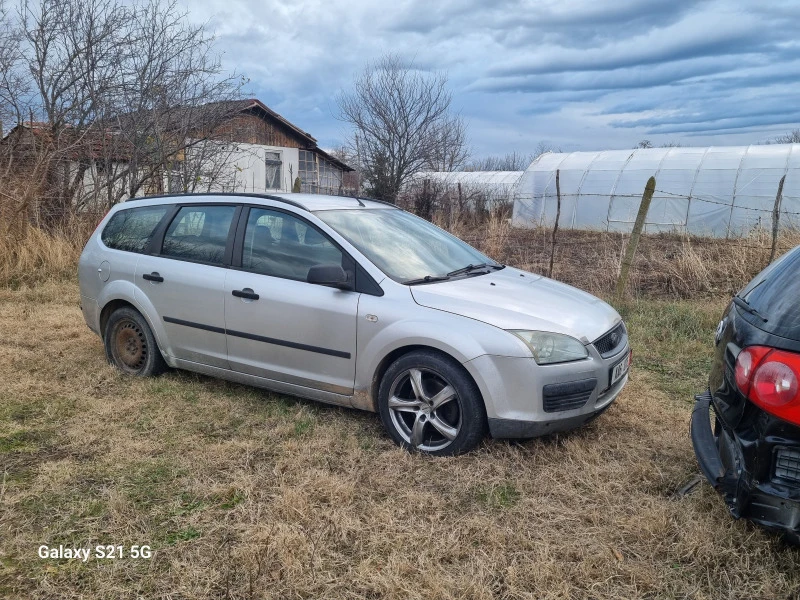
(752, 454)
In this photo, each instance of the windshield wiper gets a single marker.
(745, 305)
(426, 279)
(471, 268)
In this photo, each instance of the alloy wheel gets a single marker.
(425, 409)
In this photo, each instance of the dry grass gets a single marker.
(29, 254)
(665, 265)
(245, 494)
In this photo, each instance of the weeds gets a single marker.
(251, 494)
(499, 496)
(280, 501)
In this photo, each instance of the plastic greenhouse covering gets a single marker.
(493, 183)
(717, 191)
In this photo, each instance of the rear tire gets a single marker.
(428, 403)
(130, 344)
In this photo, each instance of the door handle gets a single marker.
(154, 276)
(246, 293)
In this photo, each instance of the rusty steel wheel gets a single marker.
(130, 345)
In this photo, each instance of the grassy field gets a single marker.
(245, 494)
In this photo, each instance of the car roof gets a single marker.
(309, 202)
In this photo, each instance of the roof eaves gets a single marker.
(256, 103)
(334, 160)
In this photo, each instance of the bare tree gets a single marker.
(511, 161)
(75, 58)
(125, 96)
(792, 137)
(401, 124)
(451, 151)
(174, 98)
(16, 193)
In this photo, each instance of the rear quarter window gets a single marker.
(131, 229)
(775, 294)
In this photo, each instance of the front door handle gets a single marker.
(154, 276)
(246, 293)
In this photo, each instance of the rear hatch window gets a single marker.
(775, 295)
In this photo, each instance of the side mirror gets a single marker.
(330, 275)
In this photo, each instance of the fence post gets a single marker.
(630, 251)
(776, 215)
(555, 227)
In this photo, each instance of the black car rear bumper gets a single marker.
(770, 504)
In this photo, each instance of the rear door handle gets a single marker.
(246, 293)
(154, 276)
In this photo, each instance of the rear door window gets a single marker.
(132, 228)
(774, 293)
(199, 233)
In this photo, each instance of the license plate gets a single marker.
(618, 370)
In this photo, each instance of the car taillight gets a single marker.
(770, 379)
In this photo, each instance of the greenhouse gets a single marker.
(716, 191)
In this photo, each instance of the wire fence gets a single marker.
(673, 262)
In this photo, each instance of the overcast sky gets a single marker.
(579, 74)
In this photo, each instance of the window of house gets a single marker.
(330, 177)
(199, 233)
(308, 171)
(274, 166)
(131, 229)
(280, 245)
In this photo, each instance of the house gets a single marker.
(231, 146)
(269, 153)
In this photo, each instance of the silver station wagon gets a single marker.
(351, 302)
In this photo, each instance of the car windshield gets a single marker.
(403, 246)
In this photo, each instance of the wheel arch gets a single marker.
(397, 353)
(115, 304)
(110, 308)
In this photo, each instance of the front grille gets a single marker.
(609, 343)
(787, 464)
(567, 396)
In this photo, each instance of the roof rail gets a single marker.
(224, 194)
(378, 201)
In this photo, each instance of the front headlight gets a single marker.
(549, 348)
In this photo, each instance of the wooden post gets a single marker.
(630, 251)
(555, 227)
(776, 215)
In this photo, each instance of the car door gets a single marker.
(278, 325)
(184, 281)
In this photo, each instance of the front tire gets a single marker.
(130, 344)
(428, 403)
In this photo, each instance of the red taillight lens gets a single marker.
(746, 364)
(771, 379)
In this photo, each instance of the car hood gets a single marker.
(514, 299)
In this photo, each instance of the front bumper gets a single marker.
(535, 423)
(512, 429)
(773, 504)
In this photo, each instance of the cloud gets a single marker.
(580, 73)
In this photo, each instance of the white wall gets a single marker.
(248, 163)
